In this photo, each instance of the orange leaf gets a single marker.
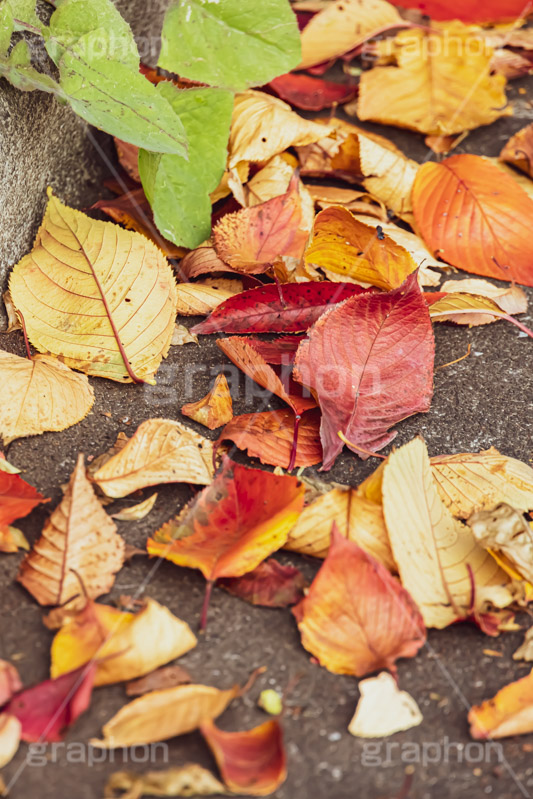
(232, 525)
(213, 410)
(356, 618)
(519, 150)
(252, 761)
(476, 218)
(251, 240)
(510, 712)
(17, 498)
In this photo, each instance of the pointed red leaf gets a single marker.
(369, 362)
(279, 352)
(271, 585)
(356, 617)
(44, 710)
(469, 10)
(311, 94)
(17, 498)
(289, 308)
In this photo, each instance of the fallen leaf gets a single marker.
(195, 299)
(6, 466)
(280, 351)
(519, 150)
(475, 217)
(356, 618)
(182, 335)
(160, 451)
(101, 297)
(431, 89)
(508, 713)
(263, 126)
(525, 651)
(469, 10)
(438, 558)
(10, 729)
(251, 762)
(78, 543)
(158, 680)
(270, 584)
(311, 94)
(342, 26)
(40, 394)
(203, 260)
(164, 714)
(188, 780)
(215, 409)
(17, 498)
(511, 299)
(343, 244)
(252, 239)
(10, 682)
(46, 709)
(271, 309)
(232, 525)
(271, 702)
(442, 145)
(505, 530)
(128, 155)
(269, 436)
(383, 709)
(123, 645)
(136, 512)
(354, 200)
(453, 307)
(12, 539)
(13, 321)
(370, 363)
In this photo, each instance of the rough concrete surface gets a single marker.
(484, 400)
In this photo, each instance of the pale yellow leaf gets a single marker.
(136, 512)
(201, 298)
(505, 530)
(160, 451)
(445, 309)
(511, 299)
(40, 394)
(383, 709)
(92, 292)
(188, 780)
(182, 335)
(358, 202)
(10, 729)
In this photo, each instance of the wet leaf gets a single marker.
(78, 543)
(508, 713)
(271, 585)
(101, 297)
(311, 94)
(188, 780)
(383, 709)
(356, 618)
(215, 409)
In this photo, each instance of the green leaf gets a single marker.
(178, 190)
(17, 69)
(12, 13)
(230, 43)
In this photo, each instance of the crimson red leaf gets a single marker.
(44, 710)
(469, 10)
(271, 585)
(288, 308)
(279, 352)
(17, 498)
(369, 362)
(311, 94)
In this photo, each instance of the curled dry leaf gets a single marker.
(510, 299)
(182, 335)
(136, 512)
(165, 677)
(203, 260)
(164, 714)
(387, 334)
(252, 239)
(271, 585)
(508, 713)
(354, 200)
(519, 150)
(446, 572)
(6, 466)
(505, 530)
(123, 645)
(101, 297)
(215, 409)
(251, 762)
(383, 709)
(195, 299)
(269, 436)
(344, 245)
(10, 682)
(188, 780)
(79, 548)
(263, 126)
(356, 618)
(311, 94)
(468, 10)
(13, 322)
(453, 307)
(430, 90)
(160, 451)
(12, 539)
(457, 196)
(17, 498)
(10, 729)
(46, 709)
(40, 394)
(343, 25)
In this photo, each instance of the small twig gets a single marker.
(457, 360)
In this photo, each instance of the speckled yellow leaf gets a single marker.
(40, 394)
(432, 549)
(160, 451)
(201, 298)
(100, 297)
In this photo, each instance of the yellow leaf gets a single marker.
(383, 709)
(160, 451)
(510, 712)
(188, 780)
(10, 729)
(354, 200)
(195, 299)
(125, 645)
(164, 714)
(215, 409)
(136, 512)
(432, 549)
(40, 394)
(100, 297)
(182, 335)
(12, 539)
(441, 86)
(78, 542)
(510, 299)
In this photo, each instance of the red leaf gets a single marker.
(287, 308)
(469, 10)
(44, 710)
(356, 617)
(252, 762)
(311, 94)
(17, 498)
(271, 585)
(369, 362)
(279, 352)
(269, 436)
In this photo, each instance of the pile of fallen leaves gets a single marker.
(333, 242)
